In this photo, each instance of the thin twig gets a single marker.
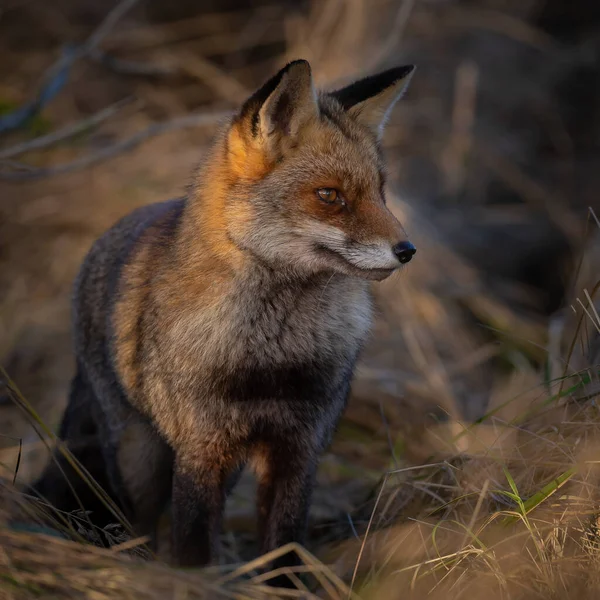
(111, 19)
(502, 23)
(208, 27)
(454, 158)
(394, 38)
(28, 173)
(19, 166)
(352, 527)
(131, 67)
(66, 132)
(56, 75)
(222, 83)
(530, 190)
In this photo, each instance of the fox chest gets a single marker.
(268, 350)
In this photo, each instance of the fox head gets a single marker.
(304, 178)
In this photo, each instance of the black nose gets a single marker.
(404, 251)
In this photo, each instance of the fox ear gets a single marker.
(281, 107)
(370, 100)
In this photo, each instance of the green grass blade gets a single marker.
(547, 491)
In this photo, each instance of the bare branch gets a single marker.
(394, 38)
(223, 84)
(66, 132)
(56, 75)
(21, 172)
(111, 19)
(455, 156)
(530, 190)
(131, 67)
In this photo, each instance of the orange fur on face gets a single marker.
(246, 160)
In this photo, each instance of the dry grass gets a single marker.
(515, 515)
(420, 495)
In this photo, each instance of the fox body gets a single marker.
(222, 329)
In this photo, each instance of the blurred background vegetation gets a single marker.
(484, 359)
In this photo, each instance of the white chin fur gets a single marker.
(376, 255)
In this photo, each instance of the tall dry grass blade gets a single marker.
(593, 213)
(362, 547)
(370, 523)
(257, 563)
(312, 565)
(271, 593)
(19, 456)
(388, 435)
(589, 315)
(18, 461)
(129, 544)
(293, 571)
(475, 515)
(79, 469)
(592, 308)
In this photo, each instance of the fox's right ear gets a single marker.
(274, 116)
(371, 100)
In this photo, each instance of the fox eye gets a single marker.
(329, 195)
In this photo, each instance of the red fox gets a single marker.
(221, 330)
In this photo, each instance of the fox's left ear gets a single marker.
(278, 111)
(370, 100)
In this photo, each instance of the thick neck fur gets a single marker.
(204, 234)
(233, 300)
(210, 310)
(204, 240)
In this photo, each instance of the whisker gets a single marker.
(324, 288)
